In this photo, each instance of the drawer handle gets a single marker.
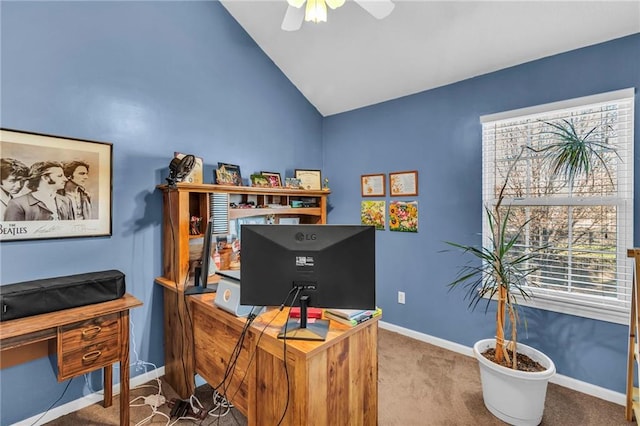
(91, 332)
(91, 356)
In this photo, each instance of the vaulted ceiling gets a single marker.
(354, 60)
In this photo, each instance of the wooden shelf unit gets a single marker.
(184, 201)
(633, 401)
(187, 200)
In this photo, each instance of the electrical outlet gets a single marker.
(401, 297)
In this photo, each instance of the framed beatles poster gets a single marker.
(53, 187)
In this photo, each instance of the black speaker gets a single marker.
(54, 294)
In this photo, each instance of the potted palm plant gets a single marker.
(514, 376)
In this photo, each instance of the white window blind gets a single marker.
(584, 226)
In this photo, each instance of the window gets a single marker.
(584, 226)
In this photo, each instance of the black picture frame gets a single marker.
(228, 174)
(310, 179)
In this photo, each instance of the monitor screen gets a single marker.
(327, 266)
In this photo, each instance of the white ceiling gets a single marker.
(354, 60)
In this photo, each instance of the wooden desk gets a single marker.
(334, 382)
(80, 340)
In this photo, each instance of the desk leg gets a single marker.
(124, 369)
(179, 368)
(108, 385)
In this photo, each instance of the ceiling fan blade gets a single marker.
(334, 4)
(378, 8)
(293, 18)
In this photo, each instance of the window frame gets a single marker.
(594, 307)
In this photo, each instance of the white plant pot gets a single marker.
(515, 397)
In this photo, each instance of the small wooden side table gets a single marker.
(78, 341)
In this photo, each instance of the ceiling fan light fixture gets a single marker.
(316, 11)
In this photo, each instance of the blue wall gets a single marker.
(151, 78)
(438, 133)
(157, 77)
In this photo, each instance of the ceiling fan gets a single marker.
(316, 11)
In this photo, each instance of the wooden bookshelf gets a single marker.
(180, 203)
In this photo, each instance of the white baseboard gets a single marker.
(436, 341)
(87, 400)
(559, 379)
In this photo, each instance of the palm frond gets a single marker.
(571, 154)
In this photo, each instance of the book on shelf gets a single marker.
(355, 319)
(349, 313)
(311, 312)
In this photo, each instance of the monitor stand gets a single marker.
(302, 330)
(197, 288)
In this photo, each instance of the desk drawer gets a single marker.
(88, 358)
(87, 332)
(87, 345)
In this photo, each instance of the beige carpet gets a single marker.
(419, 384)
(97, 415)
(422, 384)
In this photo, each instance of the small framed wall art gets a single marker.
(373, 213)
(373, 185)
(403, 183)
(309, 179)
(403, 216)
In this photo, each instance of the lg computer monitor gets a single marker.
(325, 266)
